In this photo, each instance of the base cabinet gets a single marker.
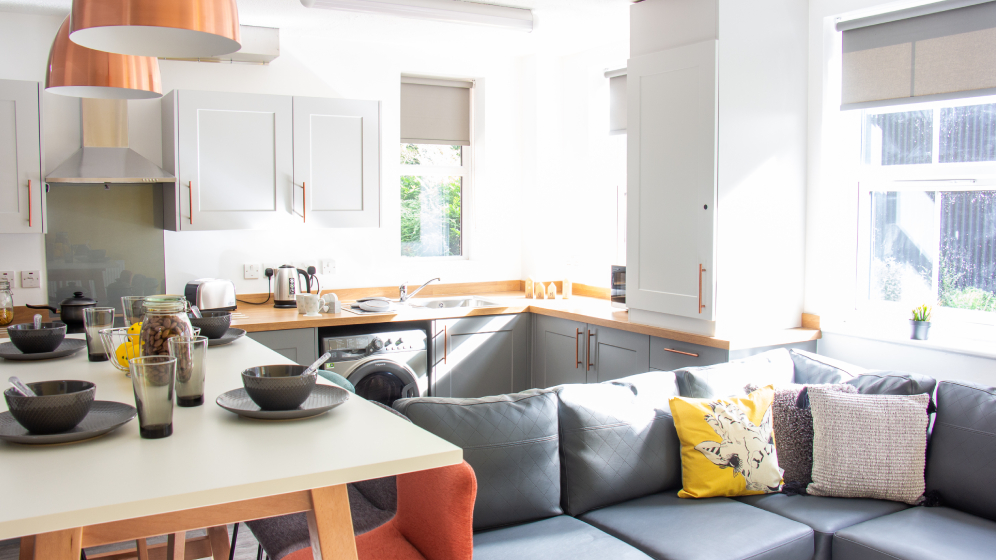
(567, 351)
(297, 345)
(480, 356)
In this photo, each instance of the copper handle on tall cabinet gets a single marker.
(587, 352)
(701, 305)
(577, 348)
(682, 353)
(190, 200)
(29, 202)
(304, 202)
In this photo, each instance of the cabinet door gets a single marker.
(669, 355)
(480, 356)
(21, 188)
(672, 181)
(297, 345)
(612, 353)
(558, 352)
(337, 162)
(235, 160)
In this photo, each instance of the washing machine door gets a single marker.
(383, 380)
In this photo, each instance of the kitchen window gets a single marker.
(927, 208)
(436, 166)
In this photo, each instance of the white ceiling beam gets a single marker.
(455, 11)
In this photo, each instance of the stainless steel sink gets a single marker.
(450, 303)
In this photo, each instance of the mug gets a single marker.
(308, 304)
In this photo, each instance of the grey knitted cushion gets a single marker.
(794, 432)
(868, 446)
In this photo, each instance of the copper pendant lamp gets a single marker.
(81, 72)
(162, 28)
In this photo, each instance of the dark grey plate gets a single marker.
(103, 417)
(68, 347)
(229, 337)
(323, 399)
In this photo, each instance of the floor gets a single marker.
(245, 549)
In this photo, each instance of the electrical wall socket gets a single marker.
(328, 266)
(8, 275)
(30, 279)
(251, 271)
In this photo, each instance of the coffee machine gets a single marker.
(286, 287)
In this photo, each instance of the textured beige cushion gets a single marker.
(868, 446)
(794, 432)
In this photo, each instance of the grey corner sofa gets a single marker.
(586, 472)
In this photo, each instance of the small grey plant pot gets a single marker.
(921, 329)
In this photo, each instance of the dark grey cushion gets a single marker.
(773, 367)
(654, 388)
(613, 447)
(894, 383)
(512, 443)
(668, 527)
(813, 369)
(551, 539)
(918, 534)
(826, 516)
(961, 456)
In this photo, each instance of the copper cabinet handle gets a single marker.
(701, 305)
(682, 353)
(577, 348)
(446, 344)
(190, 200)
(29, 202)
(587, 352)
(304, 202)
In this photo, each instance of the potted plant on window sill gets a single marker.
(921, 322)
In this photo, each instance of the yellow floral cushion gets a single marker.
(727, 445)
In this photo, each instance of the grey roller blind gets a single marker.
(617, 104)
(941, 55)
(435, 111)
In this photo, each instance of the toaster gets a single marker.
(211, 294)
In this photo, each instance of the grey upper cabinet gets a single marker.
(337, 162)
(21, 189)
(612, 353)
(297, 345)
(558, 352)
(480, 356)
(232, 154)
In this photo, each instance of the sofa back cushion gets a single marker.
(512, 443)
(614, 446)
(814, 369)
(774, 367)
(962, 451)
(895, 383)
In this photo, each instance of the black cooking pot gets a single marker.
(71, 308)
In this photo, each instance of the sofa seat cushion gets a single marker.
(671, 528)
(555, 538)
(826, 516)
(918, 534)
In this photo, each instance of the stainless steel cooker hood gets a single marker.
(105, 156)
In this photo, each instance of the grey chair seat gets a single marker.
(918, 534)
(556, 537)
(671, 528)
(826, 516)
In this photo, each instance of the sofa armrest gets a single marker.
(436, 511)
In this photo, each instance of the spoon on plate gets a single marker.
(20, 387)
(314, 367)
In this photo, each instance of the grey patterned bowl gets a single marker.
(30, 340)
(278, 387)
(213, 324)
(59, 406)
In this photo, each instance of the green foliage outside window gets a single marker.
(431, 205)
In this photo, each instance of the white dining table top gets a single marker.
(213, 456)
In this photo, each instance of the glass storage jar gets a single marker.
(165, 317)
(6, 303)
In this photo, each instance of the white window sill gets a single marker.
(973, 340)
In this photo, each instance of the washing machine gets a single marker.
(383, 366)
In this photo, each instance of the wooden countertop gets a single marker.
(595, 311)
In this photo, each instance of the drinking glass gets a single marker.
(189, 352)
(152, 378)
(96, 319)
(134, 309)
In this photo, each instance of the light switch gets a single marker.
(30, 279)
(8, 275)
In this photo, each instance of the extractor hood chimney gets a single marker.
(105, 156)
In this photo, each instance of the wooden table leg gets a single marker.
(331, 525)
(143, 549)
(176, 544)
(220, 547)
(27, 548)
(59, 545)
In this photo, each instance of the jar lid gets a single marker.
(165, 304)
